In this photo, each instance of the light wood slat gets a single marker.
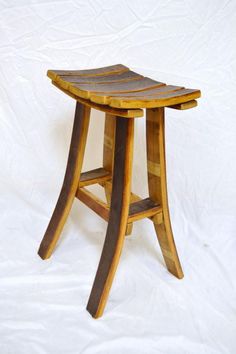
(185, 105)
(159, 100)
(65, 81)
(104, 98)
(98, 175)
(106, 70)
(126, 113)
(144, 208)
(85, 91)
(136, 198)
(93, 202)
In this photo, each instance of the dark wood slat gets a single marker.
(98, 175)
(104, 98)
(148, 92)
(144, 208)
(106, 70)
(85, 90)
(126, 113)
(99, 79)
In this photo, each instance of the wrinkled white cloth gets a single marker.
(43, 303)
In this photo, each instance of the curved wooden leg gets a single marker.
(71, 180)
(155, 135)
(108, 158)
(118, 216)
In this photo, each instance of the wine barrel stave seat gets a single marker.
(119, 87)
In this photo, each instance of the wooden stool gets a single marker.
(121, 94)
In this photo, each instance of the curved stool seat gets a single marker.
(119, 87)
(120, 93)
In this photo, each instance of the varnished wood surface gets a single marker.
(93, 202)
(104, 98)
(71, 180)
(108, 158)
(144, 208)
(185, 105)
(118, 87)
(106, 70)
(140, 209)
(108, 149)
(86, 90)
(65, 81)
(159, 100)
(157, 184)
(126, 113)
(119, 92)
(118, 217)
(136, 198)
(99, 175)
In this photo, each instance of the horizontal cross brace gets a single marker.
(139, 209)
(99, 175)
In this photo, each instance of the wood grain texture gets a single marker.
(158, 100)
(93, 202)
(71, 180)
(118, 87)
(65, 81)
(99, 175)
(126, 113)
(136, 198)
(118, 217)
(106, 70)
(108, 149)
(86, 90)
(108, 158)
(155, 137)
(185, 105)
(105, 98)
(144, 208)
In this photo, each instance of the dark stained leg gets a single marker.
(155, 135)
(108, 158)
(120, 199)
(71, 180)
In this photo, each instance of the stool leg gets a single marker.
(71, 180)
(155, 135)
(108, 158)
(119, 210)
(108, 150)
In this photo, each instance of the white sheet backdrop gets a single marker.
(42, 304)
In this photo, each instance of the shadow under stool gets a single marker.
(122, 94)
